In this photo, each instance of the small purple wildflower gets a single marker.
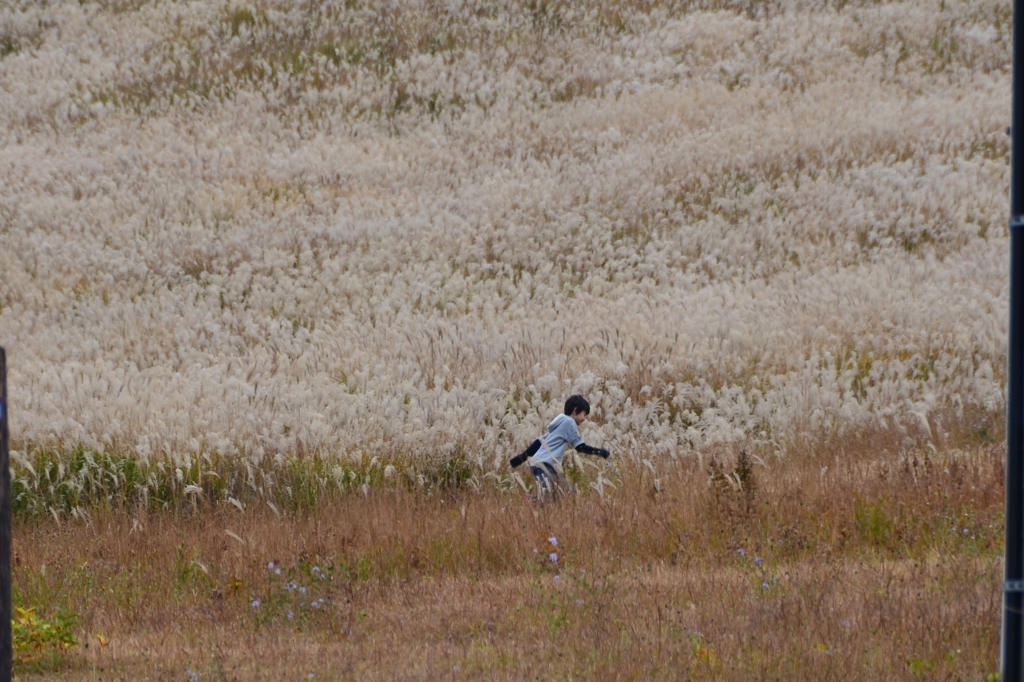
(759, 561)
(741, 552)
(553, 540)
(255, 603)
(558, 579)
(553, 557)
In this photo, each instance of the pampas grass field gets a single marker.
(288, 281)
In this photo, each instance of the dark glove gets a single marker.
(525, 454)
(590, 450)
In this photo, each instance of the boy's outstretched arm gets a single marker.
(525, 454)
(588, 450)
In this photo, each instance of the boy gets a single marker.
(548, 450)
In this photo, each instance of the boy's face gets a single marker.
(579, 416)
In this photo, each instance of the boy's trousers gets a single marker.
(550, 482)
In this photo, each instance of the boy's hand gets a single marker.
(601, 452)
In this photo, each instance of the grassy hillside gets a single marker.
(268, 271)
(408, 231)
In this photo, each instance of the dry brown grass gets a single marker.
(866, 563)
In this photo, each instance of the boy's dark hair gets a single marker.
(577, 403)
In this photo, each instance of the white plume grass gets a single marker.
(367, 230)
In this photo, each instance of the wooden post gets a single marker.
(6, 647)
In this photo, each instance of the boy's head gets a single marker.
(578, 408)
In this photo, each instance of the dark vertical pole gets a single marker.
(6, 652)
(1013, 587)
